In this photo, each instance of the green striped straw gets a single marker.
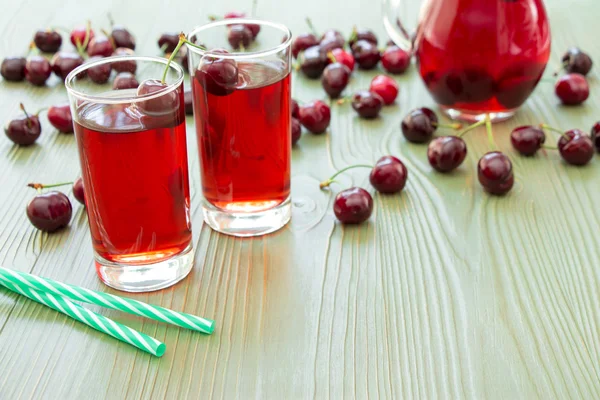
(90, 318)
(131, 306)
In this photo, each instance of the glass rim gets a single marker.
(248, 54)
(128, 99)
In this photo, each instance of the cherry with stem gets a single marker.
(331, 180)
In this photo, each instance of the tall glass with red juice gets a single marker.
(242, 109)
(478, 57)
(133, 154)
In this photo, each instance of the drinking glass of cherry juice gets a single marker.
(242, 100)
(133, 154)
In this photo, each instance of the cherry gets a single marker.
(342, 56)
(50, 211)
(527, 140)
(303, 42)
(124, 66)
(332, 39)
(386, 87)
(48, 41)
(60, 117)
(218, 76)
(395, 60)
(295, 109)
(366, 54)
(446, 153)
(99, 73)
(418, 126)
(576, 61)
(188, 101)
(125, 80)
(13, 69)
(353, 206)
(64, 62)
(239, 36)
(296, 131)
(122, 37)
(367, 104)
(80, 36)
(168, 41)
(158, 105)
(315, 116)
(78, 190)
(37, 70)
(24, 130)
(596, 135)
(362, 34)
(234, 14)
(335, 79)
(100, 46)
(313, 61)
(572, 89)
(388, 175)
(495, 174)
(578, 149)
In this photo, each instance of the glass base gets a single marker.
(245, 224)
(146, 277)
(476, 116)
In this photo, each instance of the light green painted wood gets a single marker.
(445, 293)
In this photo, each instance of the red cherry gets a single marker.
(50, 211)
(13, 69)
(37, 70)
(218, 76)
(344, 57)
(124, 66)
(389, 175)
(161, 104)
(578, 149)
(386, 87)
(366, 54)
(367, 104)
(234, 14)
(315, 116)
(122, 37)
(495, 173)
(446, 153)
(239, 36)
(395, 60)
(296, 131)
(24, 130)
(60, 117)
(64, 62)
(353, 206)
(295, 109)
(125, 80)
(48, 41)
(78, 191)
(100, 46)
(572, 89)
(168, 41)
(335, 79)
(303, 42)
(527, 140)
(79, 34)
(596, 135)
(99, 73)
(362, 34)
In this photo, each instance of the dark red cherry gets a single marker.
(99, 73)
(168, 41)
(313, 61)
(189, 103)
(367, 104)
(13, 69)
(303, 42)
(353, 206)
(80, 34)
(295, 109)
(386, 87)
(332, 39)
(362, 34)
(124, 66)
(335, 79)
(122, 37)
(48, 41)
(24, 130)
(60, 117)
(572, 89)
(239, 36)
(495, 173)
(395, 60)
(37, 70)
(388, 175)
(78, 190)
(418, 126)
(446, 153)
(50, 211)
(100, 45)
(576, 61)
(366, 54)
(64, 62)
(161, 104)
(527, 140)
(315, 116)
(596, 135)
(342, 56)
(218, 76)
(125, 80)
(296, 131)
(578, 149)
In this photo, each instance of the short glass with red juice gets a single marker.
(242, 109)
(133, 154)
(477, 57)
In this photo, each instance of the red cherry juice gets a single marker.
(483, 56)
(244, 139)
(135, 175)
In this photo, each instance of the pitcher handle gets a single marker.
(396, 29)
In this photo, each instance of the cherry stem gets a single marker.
(110, 39)
(547, 146)
(39, 186)
(455, 126)
(353, 35)
(88, 29)
(182, 40)
(311, 26)
(27, 116)
(552, 129)
(488, 128)
(331, 57)
(562, 66)
(329, 181)
(111, 22)
(41, 109)
(213, 18)
(470, 128)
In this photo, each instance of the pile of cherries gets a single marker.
(573, 88)
(51, 211)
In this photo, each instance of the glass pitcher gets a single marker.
(476, 57)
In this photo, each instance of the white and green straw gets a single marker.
(109, 301)
(90, 318)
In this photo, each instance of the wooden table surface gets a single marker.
(446, 293)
